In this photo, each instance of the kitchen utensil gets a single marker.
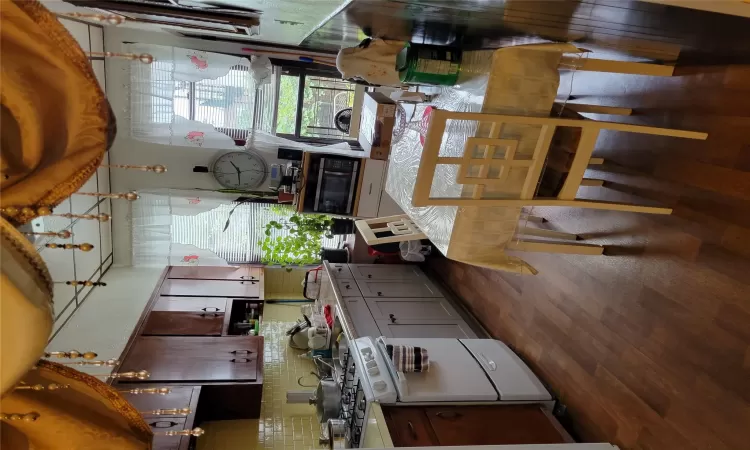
(327, 400)
(337, 433)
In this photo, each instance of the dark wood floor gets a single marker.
(649, 347)
(647, 29)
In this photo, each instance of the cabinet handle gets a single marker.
(240, 360)
(251, 282)
(339, 269)
(380, 294)
(246, 352)
(450, 415)
(412, 431)
(245, 277)
(348, 286)
(369, 275)
(210, 307)
(393, 318)
(163, 424)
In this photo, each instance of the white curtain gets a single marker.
(182, 97)
(153, 217)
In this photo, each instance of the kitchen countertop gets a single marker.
(376, 435)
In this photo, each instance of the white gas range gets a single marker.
(462, 371)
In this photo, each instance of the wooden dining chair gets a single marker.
(492, 171)
(401, 226)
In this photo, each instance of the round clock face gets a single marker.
(240, 170)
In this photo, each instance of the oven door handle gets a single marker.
(320, 183)
(351, 189)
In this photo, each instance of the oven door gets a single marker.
(336, 187)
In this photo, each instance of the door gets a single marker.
(457, 329)
(454, 375)
(415, 288)
(215, 273)
(186, 359)
(211, 288)
(398, 272)
(190, 304)
(493, 425)
(175, 323)
(407, 309)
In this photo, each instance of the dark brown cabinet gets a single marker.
(171, 323)
(473, 425)
(211, 288)
(179, 397)
(243, 273)
(196, 359)
(190, 304)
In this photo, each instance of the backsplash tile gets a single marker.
(281, 426)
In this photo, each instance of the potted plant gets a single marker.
(302, 243)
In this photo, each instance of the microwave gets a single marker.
(336, 185)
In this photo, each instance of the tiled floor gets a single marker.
(281, 425)
(65, 265)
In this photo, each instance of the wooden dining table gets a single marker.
(521, 81)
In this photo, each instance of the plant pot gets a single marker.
(342, 226)
(335, 255)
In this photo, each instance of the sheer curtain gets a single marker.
(189, 97)
(184, 228)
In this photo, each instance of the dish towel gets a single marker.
(408, 359)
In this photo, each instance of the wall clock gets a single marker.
(240, 170)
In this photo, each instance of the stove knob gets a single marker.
(366, 352)
(373, 371)
(379, 385)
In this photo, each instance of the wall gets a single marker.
(106, 319)
(281, 426)
(278, 283)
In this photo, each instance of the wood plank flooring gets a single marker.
(648, 346)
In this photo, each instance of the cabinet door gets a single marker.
(190, 304)
(211, 288)
(407, 309)
(193, 359)
(215, 273)
(398, 289)
(425, 329)
(348, 288)
(361, 317)
(172, 323)
(409, 427)
(493, 425)
(340, 271)
(397, 272)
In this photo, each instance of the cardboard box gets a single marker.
(376, 125)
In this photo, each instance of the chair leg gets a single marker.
(596, 161)
(539, 232)
(592, 182)
(627, 67)
(598, 109)
(551, 247)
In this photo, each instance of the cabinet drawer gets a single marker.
(408, 309)
(398, 289)
(457, 329)
(191, 304)
(409, 427)
(340, 271)
(348, 288)
(176, 323)
(160, 425)
(179, 397)
(211, 288)
(361, 317)
(371, 188)
(379, 272)
(215, 273)
(492, 425)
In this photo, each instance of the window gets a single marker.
(239, 242)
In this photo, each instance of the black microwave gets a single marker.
(335, 184)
